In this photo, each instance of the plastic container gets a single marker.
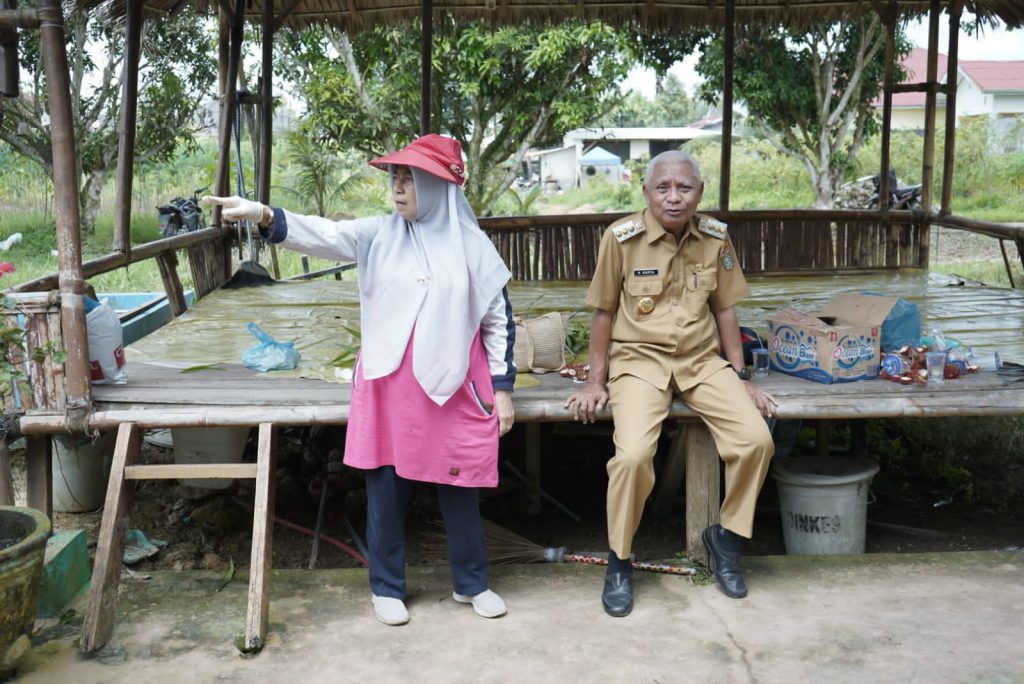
(209, 445)
(81, 468)
(824, 503)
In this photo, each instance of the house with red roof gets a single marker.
(990, 88)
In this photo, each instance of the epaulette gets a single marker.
(626, 230)
(712, 227)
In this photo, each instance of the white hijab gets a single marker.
(439, 274)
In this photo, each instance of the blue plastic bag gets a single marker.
(269, 354)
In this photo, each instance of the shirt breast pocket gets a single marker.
(701, 284)
(645, 297)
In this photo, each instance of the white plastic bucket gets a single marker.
(824, 503)
(80, 471)
(209, 445)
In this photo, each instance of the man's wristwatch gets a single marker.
(744, 373)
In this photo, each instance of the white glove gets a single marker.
(237, 208)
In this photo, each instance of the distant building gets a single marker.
(563, 168)
(990, 88)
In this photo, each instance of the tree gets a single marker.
(499, 90)
(809, 90)
(176, 72)
(671, 106)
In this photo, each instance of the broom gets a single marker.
(505, 547)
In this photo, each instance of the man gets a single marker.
(664, 293)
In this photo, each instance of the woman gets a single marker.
(432, 386)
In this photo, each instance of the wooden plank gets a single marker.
(168, 265)
(106, 576)
(39, 473)
(190, 470)
(258, 614)
(703, 492)
(6, 474)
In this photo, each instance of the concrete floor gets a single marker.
(953, 617)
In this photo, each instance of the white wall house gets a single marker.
(559, 168)
(984, 88)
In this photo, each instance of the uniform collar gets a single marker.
(652, 227)
(654, 230)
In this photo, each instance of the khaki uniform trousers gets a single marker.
(740, 433)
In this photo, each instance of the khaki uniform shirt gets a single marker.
(663, 294)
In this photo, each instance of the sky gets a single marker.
(993, 44)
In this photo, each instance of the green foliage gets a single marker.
(320, 180)
(812, 86)
(672, 106)
(176, 72)
(928, 460)
(577, 338)
(498, 90)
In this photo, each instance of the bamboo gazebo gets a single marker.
(536, 248)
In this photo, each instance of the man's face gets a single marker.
(672, 194)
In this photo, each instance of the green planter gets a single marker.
(23, 534)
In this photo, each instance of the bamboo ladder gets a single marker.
(125, 469)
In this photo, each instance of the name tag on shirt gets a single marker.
(640, 272)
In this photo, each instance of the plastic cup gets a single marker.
(936, 366)
(760, 362)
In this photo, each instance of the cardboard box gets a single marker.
(838, 344)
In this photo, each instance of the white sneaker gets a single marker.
(486, 604)
(390, 611)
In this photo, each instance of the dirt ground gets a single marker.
(211, 529)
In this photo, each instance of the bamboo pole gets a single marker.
(65, 191)
(727, 83)
(111, 262)
(126, 126)
(928, 156)
(426, 60)
(889, 20)
(267, 118)
(952, 76)
(221, 183)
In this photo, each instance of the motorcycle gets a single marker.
(182, 215)
(905, 197)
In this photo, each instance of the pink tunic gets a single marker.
(392, 422)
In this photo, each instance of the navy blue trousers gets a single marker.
(387, 496)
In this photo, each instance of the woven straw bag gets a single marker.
(540, 343)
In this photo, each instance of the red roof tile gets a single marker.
(992, 75)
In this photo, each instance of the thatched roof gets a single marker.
(354, 15)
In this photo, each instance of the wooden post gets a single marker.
(126, 126)
(168, 265)
(533, 468)
(889, 20)
(928, 157)
(703, 489)
(267, 118)
(258, 614)
(98, 625)
(6, 476)
(65, 193)
(952, 76)
(426, 58)
(730, 58)
(39, 473)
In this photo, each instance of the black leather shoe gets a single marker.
(617, 597)
(725, 563)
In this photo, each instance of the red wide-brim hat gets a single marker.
(436, 154)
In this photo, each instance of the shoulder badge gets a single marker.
(626, 230)
(712, 227)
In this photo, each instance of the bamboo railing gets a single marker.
(767, 242)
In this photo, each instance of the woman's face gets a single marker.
(403, 192)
